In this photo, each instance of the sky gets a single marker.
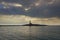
(38, 11)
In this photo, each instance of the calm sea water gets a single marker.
(27, 33)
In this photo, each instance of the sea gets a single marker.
(29, 33)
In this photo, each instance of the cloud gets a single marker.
(11, 4)
(32, 8)
(21, 19)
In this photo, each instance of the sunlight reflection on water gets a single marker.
(24, 33)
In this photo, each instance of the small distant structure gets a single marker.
(30, 22)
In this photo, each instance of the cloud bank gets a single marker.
(32, 8)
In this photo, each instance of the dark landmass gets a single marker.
(33, 25)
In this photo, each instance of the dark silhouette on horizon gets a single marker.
(30, 24)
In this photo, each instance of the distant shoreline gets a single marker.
(21, 25)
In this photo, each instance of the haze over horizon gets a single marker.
(38, 11)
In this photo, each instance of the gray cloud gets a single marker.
(48, 9)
